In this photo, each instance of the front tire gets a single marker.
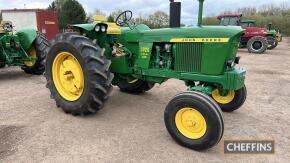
(194, 120)
(232, 101)
(78, 74)
(39, 50)
(257, 45)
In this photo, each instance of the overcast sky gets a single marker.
(145, 7)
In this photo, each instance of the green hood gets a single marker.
(166, 34)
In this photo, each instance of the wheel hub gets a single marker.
(257, 45)
(190, 123)
(68, 76)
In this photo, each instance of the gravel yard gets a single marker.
(130, 128)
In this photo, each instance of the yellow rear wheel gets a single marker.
(78, 74)
(37, 53)
(32, 53)
(68, 76)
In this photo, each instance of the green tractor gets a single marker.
(26, 48)
(81, 68)
(272, 36)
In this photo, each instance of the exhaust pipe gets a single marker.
(200, 12)
(174, 14)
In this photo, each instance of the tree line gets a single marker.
(278, 15)
(72, 12)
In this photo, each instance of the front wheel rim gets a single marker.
(190, 123)
(223, 99)
(68, 76)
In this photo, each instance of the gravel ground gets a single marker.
(131, 128)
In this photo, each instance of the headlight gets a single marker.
(231, 63)
(97, 28)
(103, 28)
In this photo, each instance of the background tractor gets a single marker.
(81, 68)
(257, 40)
(25, 48)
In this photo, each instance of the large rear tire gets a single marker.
(39, 50)
(77, 74)
(194, 120)
(136, 86)
(257, 45)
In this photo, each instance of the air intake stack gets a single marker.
(200, 12)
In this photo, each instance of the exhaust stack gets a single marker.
(200, 12)
(174, 14)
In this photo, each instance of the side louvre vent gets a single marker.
(188, 57)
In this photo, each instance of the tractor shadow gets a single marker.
(7, 74)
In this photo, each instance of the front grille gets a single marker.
(188, 56)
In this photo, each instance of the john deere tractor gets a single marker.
(25, 48)
(81, 68)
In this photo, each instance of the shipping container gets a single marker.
(44, 21)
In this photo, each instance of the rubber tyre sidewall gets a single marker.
(67, 105)
(237, 102)
(205, 106)
(260, 39)
(39, 67)
(274, 45)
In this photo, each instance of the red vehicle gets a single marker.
(255, 39)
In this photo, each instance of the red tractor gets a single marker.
(257, 40)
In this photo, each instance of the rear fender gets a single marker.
(26, 37)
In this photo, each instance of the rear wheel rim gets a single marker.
(68, 76)
(257, 45)
(223, 99)
(190, 123)
(32, 53)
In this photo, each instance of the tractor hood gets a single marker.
(177, 34)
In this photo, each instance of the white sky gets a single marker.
(146, 7)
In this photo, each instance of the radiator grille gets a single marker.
(188, 56)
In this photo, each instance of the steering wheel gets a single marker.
(124, 17)
(8, 28)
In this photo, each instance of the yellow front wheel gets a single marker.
(190, 122)
(194, 120)
(230, 100)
